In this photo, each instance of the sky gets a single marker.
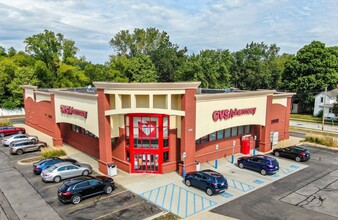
(195, 24)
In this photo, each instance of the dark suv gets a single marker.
(263, 164)
(293, 152)
(208, 180)
(77, 189)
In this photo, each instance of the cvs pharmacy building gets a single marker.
(148, 127)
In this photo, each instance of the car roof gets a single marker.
(211, 173)
(84, 178)
(297, 148)
(63, 164)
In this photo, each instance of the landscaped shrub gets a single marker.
(5, 122)
(53, 152)
(327, 141)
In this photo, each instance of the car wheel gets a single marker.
(209, 191)
(85, 173)
(108, 189)
(298, 159)
(19, 152)
(34, 140)
(39, 149)
(263, 172)
(187, 182)
(19, 132)
(277, 154)
(57, 179)
(76, 199)
(241, 165)
(2, 135)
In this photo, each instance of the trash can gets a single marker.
(112, 169)
(245, 146)
(198, 166)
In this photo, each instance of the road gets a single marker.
(314, 126)
(308, 194)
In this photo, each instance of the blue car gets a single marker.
(263, 164)
(38, 167)
(208, 180)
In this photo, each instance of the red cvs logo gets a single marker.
(230, 113)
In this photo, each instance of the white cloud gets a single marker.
(198, 25)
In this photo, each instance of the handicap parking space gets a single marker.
(179, 200)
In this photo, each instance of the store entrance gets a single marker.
(146, 163)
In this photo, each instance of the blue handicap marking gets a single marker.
(285, 170)
(178, 200)
(258, 181)
(239, 185)
(294, 166)
(275, 175)
(226, 195)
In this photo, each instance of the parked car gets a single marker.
(20, 147)
(45, 163)
(208, 180)
(77, 189)
(263, 164)
(6, 141)
(8, 130)
(65, 170)
(293, 152)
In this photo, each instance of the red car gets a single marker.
(9, 130)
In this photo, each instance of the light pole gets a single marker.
(323, 119)
(184, 155)
(216, 161)
(254, 151)
(233, 152)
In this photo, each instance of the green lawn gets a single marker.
(305, 117)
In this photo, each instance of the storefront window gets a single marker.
(213, 136)
(220, 134)
(227, 132)
(166, 156)
(234, 131)
(204, 139)
(247, 129)
(241, 130)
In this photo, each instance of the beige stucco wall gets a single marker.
(42, 97)
(85, 103)
(205, 108)
(280, 100)
(29, 93)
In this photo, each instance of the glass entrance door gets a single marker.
(146, 163)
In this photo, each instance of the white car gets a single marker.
(6, 141)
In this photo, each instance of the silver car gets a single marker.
(19, 147)
(6, 141)
(65, 170)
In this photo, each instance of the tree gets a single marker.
(50, 49)
(165, 56)
(310, 71)
(211, 67)
(255, 67)
(141, 69)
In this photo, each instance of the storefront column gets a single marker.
(188, 125)
(57, 138)
(287, 119)
(105, 148)
(264, 140)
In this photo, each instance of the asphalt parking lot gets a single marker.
(121, 204)
(311, 193)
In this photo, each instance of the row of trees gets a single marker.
(148, 55)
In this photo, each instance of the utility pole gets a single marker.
(324, 109)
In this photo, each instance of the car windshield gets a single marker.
(219, 179)
(50, 169)
(273, 162)
(63, 187)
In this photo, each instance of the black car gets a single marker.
(75, 190)
(293, 152)
(208, 180)
(38, 167)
